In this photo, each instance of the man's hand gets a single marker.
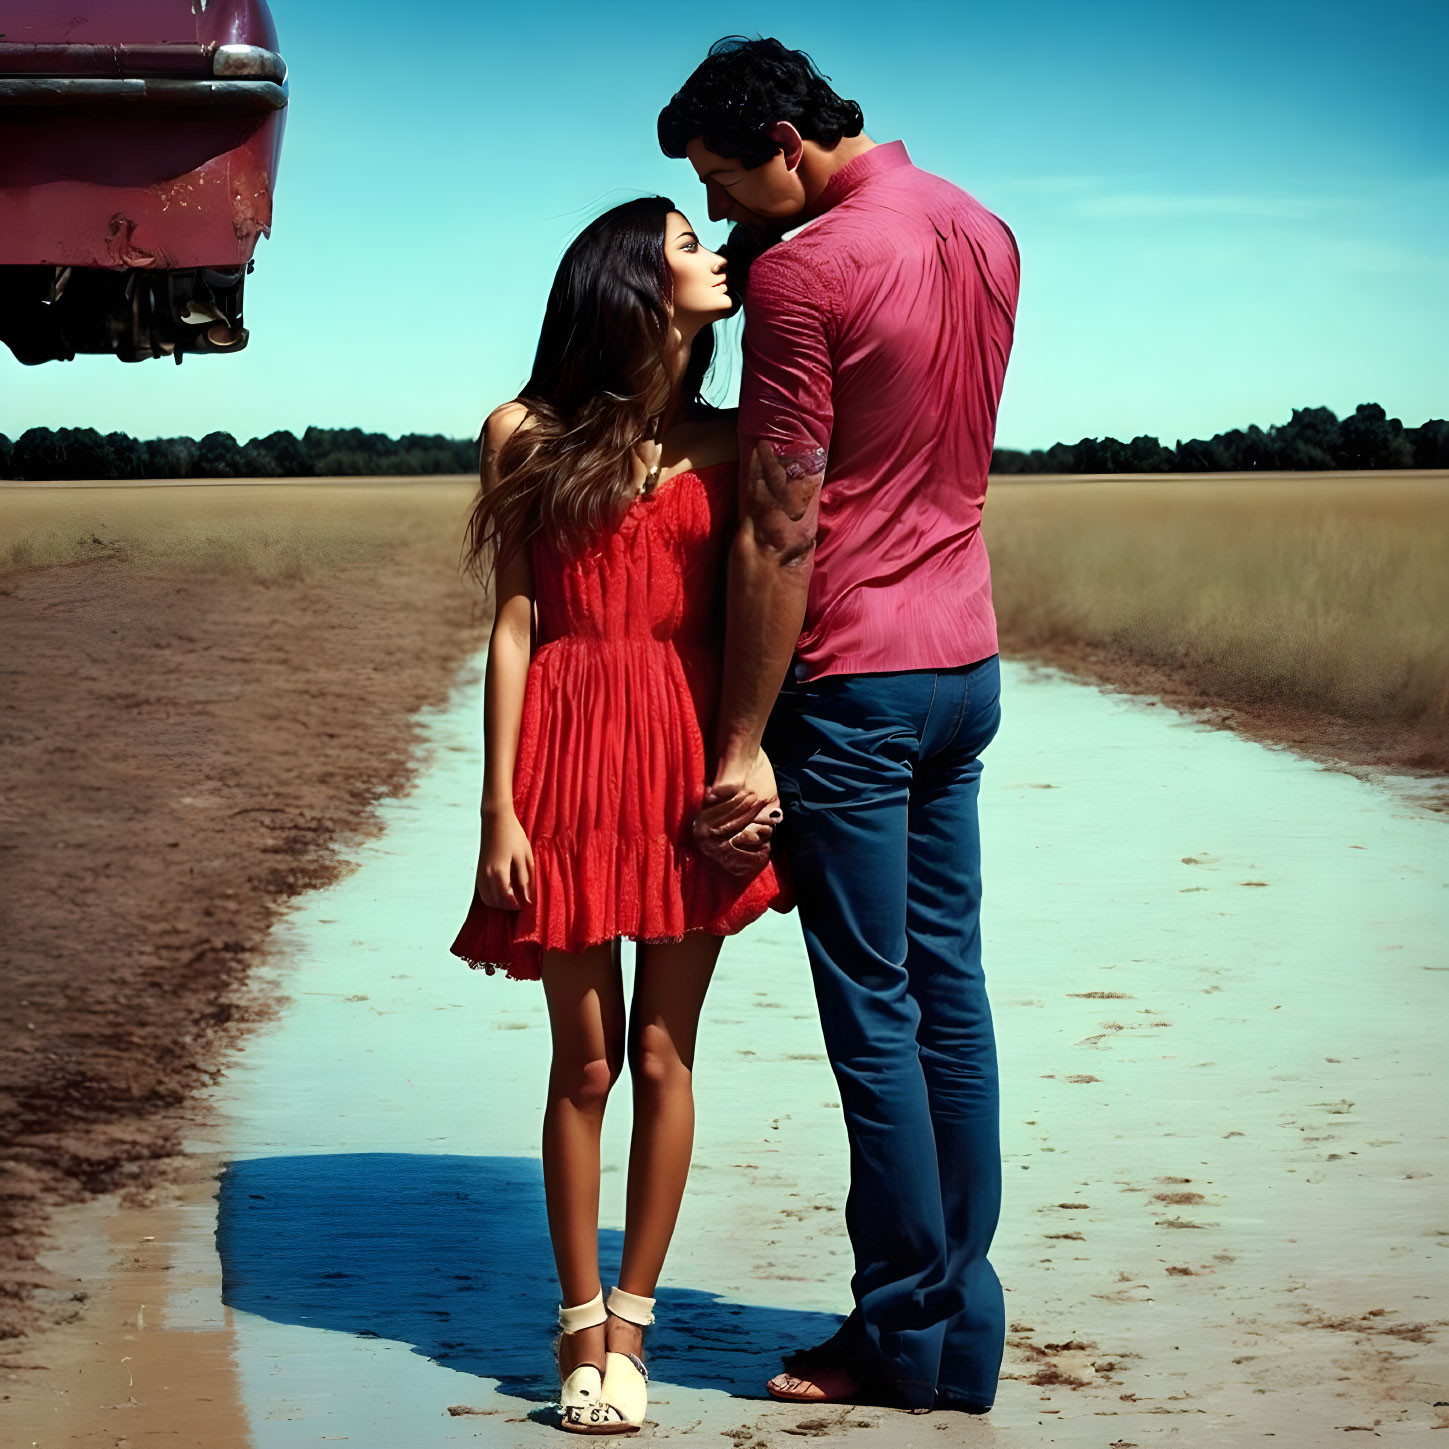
(741, 809)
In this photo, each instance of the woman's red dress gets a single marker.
(612, 764)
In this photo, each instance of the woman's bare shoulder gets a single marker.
(504, 421)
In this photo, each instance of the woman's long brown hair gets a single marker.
(601, 359)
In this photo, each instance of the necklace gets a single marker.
(651, 475)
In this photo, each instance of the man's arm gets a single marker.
(769, 580)
(785, 422)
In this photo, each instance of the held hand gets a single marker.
(741, 811)
(505, 862)
(738, 796)
(746, 853)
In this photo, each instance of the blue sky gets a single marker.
(1224, 211)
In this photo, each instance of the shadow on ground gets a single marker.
(451, 1256)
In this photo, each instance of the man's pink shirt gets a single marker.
(877, 337)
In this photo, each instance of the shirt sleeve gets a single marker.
(785, 390)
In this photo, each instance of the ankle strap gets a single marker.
(583, 1315)
(631, 1306)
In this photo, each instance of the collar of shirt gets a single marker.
(887, 156)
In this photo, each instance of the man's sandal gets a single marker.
(819, 1386)
(833, 1384)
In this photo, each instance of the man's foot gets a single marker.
(823, 1385)
(835, 1385)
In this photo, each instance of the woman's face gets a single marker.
(699, 274)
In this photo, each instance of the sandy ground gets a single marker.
(191, 765)
(1365, 748)
(183, 751)
(1224, 1153)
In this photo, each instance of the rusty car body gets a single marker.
(139, 142)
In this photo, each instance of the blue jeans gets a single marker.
(878, 777)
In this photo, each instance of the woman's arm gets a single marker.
(505, 860)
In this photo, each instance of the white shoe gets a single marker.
(581, 1399)
(626, 1380)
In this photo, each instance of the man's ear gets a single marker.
(792, 142)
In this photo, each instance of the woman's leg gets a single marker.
(669, 987)
(585, 995)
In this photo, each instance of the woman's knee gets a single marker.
(655, 1063)
(585, 1083)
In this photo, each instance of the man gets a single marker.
(878, 319)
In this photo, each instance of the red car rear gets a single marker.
(138, 154)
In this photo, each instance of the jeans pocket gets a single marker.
(982, 717)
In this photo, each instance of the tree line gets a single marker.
(73, 453)
(1312, 440)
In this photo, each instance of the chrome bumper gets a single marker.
(258, 95)
(242, 75)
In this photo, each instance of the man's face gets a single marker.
(765, 197)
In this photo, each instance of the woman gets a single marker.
(607, 503)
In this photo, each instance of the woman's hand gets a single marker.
(505, 861)
(740, 812)
(739, 794)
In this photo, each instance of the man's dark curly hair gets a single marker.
(741, 89)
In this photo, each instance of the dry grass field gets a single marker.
(1311, 606)
(1297, 599)
(288, 529)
